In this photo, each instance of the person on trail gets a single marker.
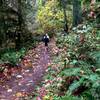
(46, 39)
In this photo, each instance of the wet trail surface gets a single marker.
(23, 80)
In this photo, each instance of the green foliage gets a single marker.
(13, 57)
(70, 72)
(96, 55)
(50, 17)
(75, 85)
(66, 97)
(82, 68)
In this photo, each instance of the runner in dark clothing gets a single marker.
(46, 39)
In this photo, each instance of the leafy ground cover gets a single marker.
(74, 73)
(10, 57)
(18, 82)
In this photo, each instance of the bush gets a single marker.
(13, 57)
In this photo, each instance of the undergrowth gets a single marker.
(75, 72)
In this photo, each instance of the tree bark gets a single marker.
(20, 21)
(65, 16)
(1, 2)
(77, 13)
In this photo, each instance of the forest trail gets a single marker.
(22, 81)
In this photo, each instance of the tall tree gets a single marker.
(63, 6)
(1, 2)
(19, 33)
(2, 22)
(77, 12)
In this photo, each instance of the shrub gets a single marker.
(13, 57)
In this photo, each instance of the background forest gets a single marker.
(74, 28)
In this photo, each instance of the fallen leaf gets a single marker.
(19, 84)
(18, 94)
(19, 76)
(38, 98)
(27, 70)
(9, 90)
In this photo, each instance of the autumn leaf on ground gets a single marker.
(19, 94)
(9, 90)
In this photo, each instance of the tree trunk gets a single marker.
(2, 22)
(77, 13)
(65, 16)
(1, 2)
(20, 21)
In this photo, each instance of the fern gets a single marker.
(96, 55)
(76, 84)
(13, 57)
(70, 98)
(70, 72)
(66, 97)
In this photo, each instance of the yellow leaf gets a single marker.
(18, 94)
(46, 97)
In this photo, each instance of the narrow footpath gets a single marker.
(23, 80)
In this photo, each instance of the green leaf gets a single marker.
(71, 71)
(76, 84)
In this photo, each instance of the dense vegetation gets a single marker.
(74, 73)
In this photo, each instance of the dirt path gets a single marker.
(24, 79)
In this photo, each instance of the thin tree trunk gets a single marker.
(20, 21)
(65, 16)
(3, 25)
(1, 2)
(77, 12)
